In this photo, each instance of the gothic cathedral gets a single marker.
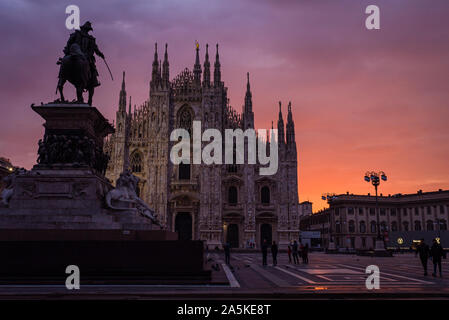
(215, 203)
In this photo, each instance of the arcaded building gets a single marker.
(214, 203)
(351, 220)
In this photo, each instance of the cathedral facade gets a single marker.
(215, 203)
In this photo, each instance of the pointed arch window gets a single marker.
(136, 162)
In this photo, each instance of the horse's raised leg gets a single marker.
(79, 95)
(91, 94)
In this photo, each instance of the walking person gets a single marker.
(289, 252)
(436, 252)
(227, 251)
(305, 254)
(295, 252)
(274, 253)
(424, 252)
(264, 252)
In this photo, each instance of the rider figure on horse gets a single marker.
(86, 43)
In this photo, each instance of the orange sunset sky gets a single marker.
(362, 100)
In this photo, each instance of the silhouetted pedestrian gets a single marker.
(274, 253)
(264, 252)
(436, 252)
(424, 252)
(305, 254)
(295, 252)
(300, 249)
(289, 252)
(227, 251)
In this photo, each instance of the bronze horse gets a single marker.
(75, 69)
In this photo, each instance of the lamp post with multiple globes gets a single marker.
(375, 178)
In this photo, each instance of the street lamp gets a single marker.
(375, 178)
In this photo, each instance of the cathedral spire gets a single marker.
(217, 72)
(155, 73)
(281, 137)
(206, 75)
(122, 99)
(197, 65)
(290, 126)
(248, 114)
(165, 68)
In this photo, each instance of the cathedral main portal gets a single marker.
(183, 226)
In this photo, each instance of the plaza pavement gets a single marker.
(326, 276)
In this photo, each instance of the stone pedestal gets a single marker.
(56, 215)
(74, 119)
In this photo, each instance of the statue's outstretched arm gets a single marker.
(97, 51)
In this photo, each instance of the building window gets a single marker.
(405, 225)
(337, 211)
(429, 225)
(417, 225)
(363, 242)
(416, 211)
(382, 211)
(136, 162)
(405, 211)
(265, 195)
(362, 227)
(372, 211)
(443, 224)
(361, 211)
(373, 226)
(232, 195)
(393, 212)
(394, 226)
(351, 226)
(428, 210)
(337, 227)
(442, 209)
(351, 211)
(184, 171)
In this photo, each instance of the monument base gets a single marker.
(105, 262)
(62, 213)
